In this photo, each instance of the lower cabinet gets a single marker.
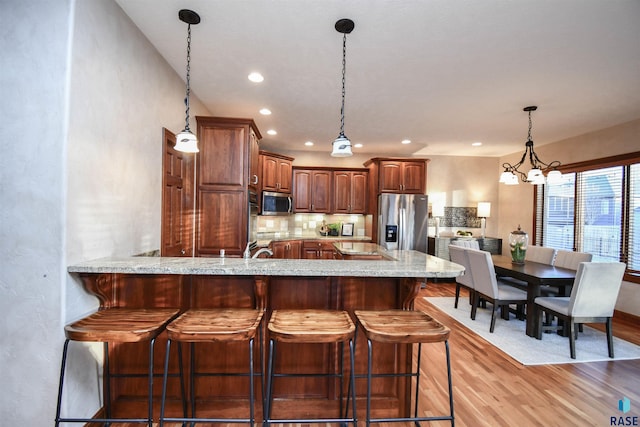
(313, 249)
(290, 249)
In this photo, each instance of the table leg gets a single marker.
(533, 291)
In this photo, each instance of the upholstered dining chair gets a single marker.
(466, 243)
(541, 254)
(571, 259)
(488, 287)
(459, 256)
(593, 298)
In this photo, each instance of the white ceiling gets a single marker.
(443, 73)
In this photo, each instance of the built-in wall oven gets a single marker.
(276, 203)
(252, 223)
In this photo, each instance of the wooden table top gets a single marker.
(533, 272)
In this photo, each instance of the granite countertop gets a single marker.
(360, 248)
(404, 264)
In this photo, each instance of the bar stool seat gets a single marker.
(213, 325)
(403, 327)
(116, 325)
(311, 326)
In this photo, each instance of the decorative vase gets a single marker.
(518, 241)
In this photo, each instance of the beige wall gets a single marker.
(516, 202)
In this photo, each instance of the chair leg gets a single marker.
(62, 369)
(474, 306)
(610, 337)
(493, 317)
(572, 338)
(163, 397)
(455, 304)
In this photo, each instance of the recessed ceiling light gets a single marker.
(272, 132)
(358, 145)
(308, 143)
(476, 144)
(265, 112)
(406, 141)
(256, 77)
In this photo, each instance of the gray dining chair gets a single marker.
(488, 287)
(466, 243)
(541, 254)
(571, 259)
(593, 299)
(459, 256)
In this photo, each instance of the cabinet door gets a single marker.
(342, 192)
(269, 173)
(284, 176)
(222, 156)
(318, 250)
(321, 191)
(390, 177)
(223, 222)
(286, 250)
(254, 162)
(302, 180)
(413, 177)
(359, 188)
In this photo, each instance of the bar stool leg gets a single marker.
(62, 368)
(107, 383)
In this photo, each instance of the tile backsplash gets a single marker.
(309, 224)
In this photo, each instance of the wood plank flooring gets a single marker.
(491, 389)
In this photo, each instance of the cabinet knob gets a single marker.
(255, 179)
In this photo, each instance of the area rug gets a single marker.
(509, 336)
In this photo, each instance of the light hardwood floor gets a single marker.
(491, 389)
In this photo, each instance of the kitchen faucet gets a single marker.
(263, 251)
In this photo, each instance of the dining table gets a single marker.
(536, 275)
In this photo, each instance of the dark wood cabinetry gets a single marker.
(402, 176)
(290, 249)
(276, 172)
(350, 191)
(227, 168)
(313, 249)
(312, 190)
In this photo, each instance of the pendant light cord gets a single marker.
(344, 66)
(186, 99)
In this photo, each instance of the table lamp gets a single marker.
(437, 212)
(484, 212)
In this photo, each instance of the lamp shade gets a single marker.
(186, 142)
(484, 209)
(437, 210)
(341, 147)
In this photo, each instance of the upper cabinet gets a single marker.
(390, 175)
(312, 190)
(276, 172)
(350, 191)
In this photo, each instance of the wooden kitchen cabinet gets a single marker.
(315, 249)
(289, 249)
(226, 170)
(276, 172)
(402, 177)
(312, 190)
(350, 191)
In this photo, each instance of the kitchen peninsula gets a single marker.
(267, 283)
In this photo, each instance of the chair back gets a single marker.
(541, 254)
(483, 272)
(458, 254)
(466, 243)
(570, 259)
(595, 289)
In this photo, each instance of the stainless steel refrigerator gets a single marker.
(403, 221)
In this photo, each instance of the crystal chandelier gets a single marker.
(535, 175)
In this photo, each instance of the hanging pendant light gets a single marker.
(535, 175)
(342, 145)
(186, 141)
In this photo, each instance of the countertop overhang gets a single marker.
(405, 264)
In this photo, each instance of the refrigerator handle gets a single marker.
(402, 222)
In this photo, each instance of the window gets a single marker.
(595, 209)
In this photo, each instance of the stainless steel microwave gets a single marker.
(276, 203)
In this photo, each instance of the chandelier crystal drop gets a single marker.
(186, 141)
(342, 144)
(535, 175)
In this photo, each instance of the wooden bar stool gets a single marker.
(213, 325)
(116, 325)
(311, 326)
(403, 327)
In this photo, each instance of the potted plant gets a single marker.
(334, 229)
